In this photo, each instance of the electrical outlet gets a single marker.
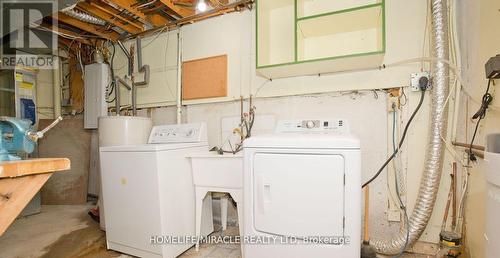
(414, 80)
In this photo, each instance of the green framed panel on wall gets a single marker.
(300, 37)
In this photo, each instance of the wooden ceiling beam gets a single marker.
(155, 19)
(67, 32)
(107, 17)
(86, 26)
(127, 5)
(112, 11)
(217, 3)
(180, 11)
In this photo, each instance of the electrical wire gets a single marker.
(391, 193)
(451, 65)
(156, 36)
(480, 115)
(112, 71)
(405, 131)
(402, 206)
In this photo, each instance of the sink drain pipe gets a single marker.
(431, 176)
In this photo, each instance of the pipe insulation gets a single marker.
(435, 148)
(83, 16)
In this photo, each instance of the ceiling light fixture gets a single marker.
(201, 6)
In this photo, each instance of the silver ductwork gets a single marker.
(83, 16)
(431, 176)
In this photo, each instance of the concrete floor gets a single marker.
(58, 231)
(61, 231)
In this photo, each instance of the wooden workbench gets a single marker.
(20, 181)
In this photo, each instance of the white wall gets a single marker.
(45, 94)
(232, 34)
(478, 23)
(159, 51)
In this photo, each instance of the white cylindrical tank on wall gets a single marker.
(492, 162)
(121, 130)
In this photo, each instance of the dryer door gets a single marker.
(299, 195)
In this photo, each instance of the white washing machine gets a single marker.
(149, 192)
(302, 191)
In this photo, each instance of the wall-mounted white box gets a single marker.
(96, 80)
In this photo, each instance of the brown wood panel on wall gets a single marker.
(69, 140)
(76, 85)
(204, 78)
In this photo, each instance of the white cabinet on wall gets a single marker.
(301, 37)
(96, 81)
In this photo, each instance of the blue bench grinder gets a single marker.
(19, 136)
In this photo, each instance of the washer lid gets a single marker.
(152, 147)
(304, 141)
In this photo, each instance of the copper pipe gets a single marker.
(447, 208)
(467, 145)
(366, 221)
(454, 200)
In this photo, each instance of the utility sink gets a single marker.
(219, 171)
(221, 174)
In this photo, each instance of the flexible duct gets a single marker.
(83, 16)
(431, 176)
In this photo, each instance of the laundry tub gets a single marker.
(218, 173)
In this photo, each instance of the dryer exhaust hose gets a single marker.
(431, 175)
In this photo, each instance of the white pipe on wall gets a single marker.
(179, 78)
(56, 78)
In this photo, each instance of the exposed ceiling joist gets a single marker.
(230, 7)
(127, 5)
(157, 20)
(107, 17)
(67, 32)
(112, 11)
(181, 12)
(86, 27)
(217, 3)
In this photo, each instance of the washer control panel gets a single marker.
(313, 125)
(195, 132)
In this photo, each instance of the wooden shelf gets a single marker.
(328, 36)
(20, 180)
(32, 166)
(276, 32)
(340, 34)
(308, 8)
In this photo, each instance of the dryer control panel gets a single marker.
(313, 125)
(178, 133)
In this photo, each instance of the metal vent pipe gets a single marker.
(431, 176)
(83, 16)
